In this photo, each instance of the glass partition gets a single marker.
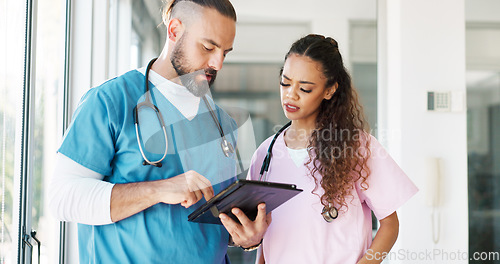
(483, 125)
(483, 138)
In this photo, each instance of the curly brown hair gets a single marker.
(339, 146)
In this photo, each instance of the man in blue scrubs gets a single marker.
(134, 213)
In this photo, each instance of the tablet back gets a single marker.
(246, 195)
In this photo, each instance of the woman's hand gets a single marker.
(248, 233)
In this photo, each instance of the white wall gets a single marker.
(327, 17)
(422, 47)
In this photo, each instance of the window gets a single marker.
(483, 134)
(12, 27)
(31, 81)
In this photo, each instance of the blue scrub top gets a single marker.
(102, 138)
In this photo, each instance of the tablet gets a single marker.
(246, 195)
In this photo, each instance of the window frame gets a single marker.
(25, 241)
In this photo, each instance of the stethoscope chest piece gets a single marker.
(329, 214)
(227, 147)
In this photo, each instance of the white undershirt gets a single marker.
(178, 95)
(298, 156)
(78, 194)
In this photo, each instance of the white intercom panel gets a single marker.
(445, 101)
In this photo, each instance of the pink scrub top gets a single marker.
(299, 234)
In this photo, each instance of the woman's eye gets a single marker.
(305, 91)
(284, 84)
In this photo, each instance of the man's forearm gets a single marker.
(130, 198)
(78, 194)
(185, 189)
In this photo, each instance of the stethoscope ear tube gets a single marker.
(265, 164)
(267, 159)
(157, 164)
(150, 64)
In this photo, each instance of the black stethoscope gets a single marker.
(227, 147)
(329, 214)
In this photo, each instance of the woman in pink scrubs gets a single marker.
(344, 171)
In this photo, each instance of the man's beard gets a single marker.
(189, 77)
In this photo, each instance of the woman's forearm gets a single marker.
(384, 240)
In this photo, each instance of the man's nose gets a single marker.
(216, 61)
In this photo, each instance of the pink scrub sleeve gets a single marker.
(388, 186)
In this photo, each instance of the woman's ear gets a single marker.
(330, 91)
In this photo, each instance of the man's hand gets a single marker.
(248, 233)
(187, 189)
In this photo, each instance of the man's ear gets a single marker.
(175, 29)
(330, 91)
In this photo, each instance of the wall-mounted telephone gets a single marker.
(433, 192)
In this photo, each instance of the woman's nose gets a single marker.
(292, 93)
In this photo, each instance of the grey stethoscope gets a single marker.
(226, 146)
(329, 214)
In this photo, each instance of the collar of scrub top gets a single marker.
(227, 147)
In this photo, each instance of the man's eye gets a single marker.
(207, 49)
(284, 84)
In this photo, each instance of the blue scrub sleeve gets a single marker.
(90, 138)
